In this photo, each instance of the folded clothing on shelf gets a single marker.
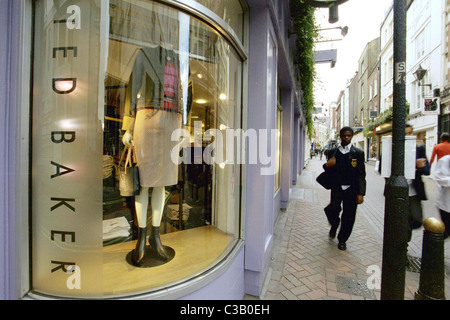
(115, 228)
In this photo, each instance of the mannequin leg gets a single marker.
(141, 204)
(158, 197)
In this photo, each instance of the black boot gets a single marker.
(158, 250)
(138, 252)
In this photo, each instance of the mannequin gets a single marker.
(152, 117)
(141, 205)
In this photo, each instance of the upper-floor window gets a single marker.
(420, 45)
(390, 70)
(390, 30)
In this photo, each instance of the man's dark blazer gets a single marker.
(357, 172)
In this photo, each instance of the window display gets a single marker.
(134, 86)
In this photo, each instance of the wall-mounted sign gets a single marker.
(431, 106)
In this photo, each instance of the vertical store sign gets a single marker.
(67, 149)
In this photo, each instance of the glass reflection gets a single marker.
(229, 10)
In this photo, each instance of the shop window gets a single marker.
(113, 76)
(444, 123)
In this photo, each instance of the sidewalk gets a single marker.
(307, 265)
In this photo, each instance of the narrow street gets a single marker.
(306, 264)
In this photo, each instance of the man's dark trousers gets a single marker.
(332, 211)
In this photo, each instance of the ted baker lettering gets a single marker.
(63, 85)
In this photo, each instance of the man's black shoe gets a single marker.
(332, 232)
(342, 246)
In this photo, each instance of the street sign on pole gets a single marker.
(400, 72)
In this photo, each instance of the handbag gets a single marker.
(129, 185)
(325, 180)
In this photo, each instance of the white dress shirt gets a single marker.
(345, 150)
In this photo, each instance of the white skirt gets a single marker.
(152, 140)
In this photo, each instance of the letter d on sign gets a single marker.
(64, 85)
(74, 281)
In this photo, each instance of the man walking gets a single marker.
(346, 168)
(441, 149)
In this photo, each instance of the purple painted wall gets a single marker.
(228, 286)
(8, 88)
(259, 200)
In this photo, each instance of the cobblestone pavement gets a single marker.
(307, 265)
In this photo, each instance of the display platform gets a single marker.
(195, 250)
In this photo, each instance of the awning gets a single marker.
(383, 128)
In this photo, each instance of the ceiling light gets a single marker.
(201, 101)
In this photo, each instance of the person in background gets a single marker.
(441, 149)
(442, 179)
(345, 164)
(416, 186)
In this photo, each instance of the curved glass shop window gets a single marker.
(134, 184)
